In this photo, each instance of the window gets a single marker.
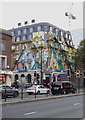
(17, 47)
(45, 28)
(28, 45)
(61, 34)
(24, 37)
(56, 31)
(69, 37)
(17, 56)
(18, 39)
(25, 31)
(2, 45)
(71, 43)
(30, 36)
(13, 33)
(39, 28)
(3, 61)
(37, 55)
(23, 47)
(19, 32)
(51, 29)
(31, 29)
(45, 37)
(66, 35)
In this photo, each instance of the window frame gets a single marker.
(39, 28)
(19, 32)
(5, 60)
(45, 29)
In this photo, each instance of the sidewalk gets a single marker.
(40, 98)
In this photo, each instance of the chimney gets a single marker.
(19, 24)
(26, 22)
(33, 21)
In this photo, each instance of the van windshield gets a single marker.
(62, 77)
(56, 84)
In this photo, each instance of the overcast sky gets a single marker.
(52, 12)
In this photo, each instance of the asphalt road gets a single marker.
(69, 107)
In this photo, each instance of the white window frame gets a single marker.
(51, 29)
(5, 59)
(19, 32)
(12, 33)
(45, 28)
(17, 47)
(66, 35)
(25, 30)
(18, 39)
(2, 45)
(24, 37)
(31, 29)
(23, 46)
(61, 33)
(39, 28)
(30, 37)
(17, 56)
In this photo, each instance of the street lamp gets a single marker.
(41, 66)
(41, 46)
(70, 17)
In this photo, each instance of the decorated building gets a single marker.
(41, 48)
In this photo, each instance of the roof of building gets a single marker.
(6, 32)
(35, 24)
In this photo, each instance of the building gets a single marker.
(5, 53)
(40, 47)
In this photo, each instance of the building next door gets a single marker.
(29, 78)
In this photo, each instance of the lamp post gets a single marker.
(41, 66)
(41, 46)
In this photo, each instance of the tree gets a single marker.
(80, 56)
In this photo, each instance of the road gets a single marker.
(69, 107)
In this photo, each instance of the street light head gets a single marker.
(66, 14)
(73, 17)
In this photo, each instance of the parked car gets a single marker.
(6, 91)
(37, 89)
(64, 87)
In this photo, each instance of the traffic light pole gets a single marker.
(41, 67)
(78, 84)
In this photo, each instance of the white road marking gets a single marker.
(30, 113)
(76, 103)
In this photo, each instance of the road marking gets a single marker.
(76, 103)
(30, 113)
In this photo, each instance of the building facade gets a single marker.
(5, 53)
(41, 47)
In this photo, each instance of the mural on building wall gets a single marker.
(49, 48)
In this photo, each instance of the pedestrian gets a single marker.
(48, 85)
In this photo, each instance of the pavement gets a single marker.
(40, 98)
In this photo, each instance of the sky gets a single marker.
(53, 12)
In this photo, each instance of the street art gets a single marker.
(49, 48)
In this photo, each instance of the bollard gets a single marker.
(35, 92)
(21, 93)
(5, 94)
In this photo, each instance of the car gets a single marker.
(6, 91)
(63, 87)
(37, 89)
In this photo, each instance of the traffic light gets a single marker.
(34, 73)
(78, 74)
